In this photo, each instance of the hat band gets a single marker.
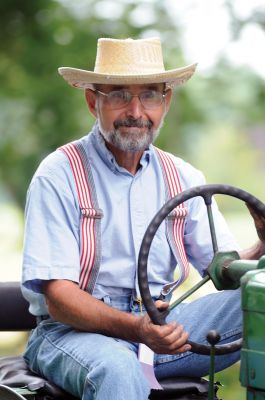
(129, 69)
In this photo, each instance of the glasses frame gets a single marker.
(164, 93)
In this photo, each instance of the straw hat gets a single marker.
(127, 61)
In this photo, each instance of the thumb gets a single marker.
(161, 305)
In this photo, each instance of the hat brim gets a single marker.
(83, 79)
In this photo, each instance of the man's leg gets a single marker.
(90, 366)
(220, 311)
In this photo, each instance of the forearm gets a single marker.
(72, 306)
(254, 252)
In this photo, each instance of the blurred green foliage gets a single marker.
(39, 111)
(211, 121)
(230, 388)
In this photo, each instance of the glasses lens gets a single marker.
(119, 98)
(151, 98)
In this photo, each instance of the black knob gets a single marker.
(213, 337)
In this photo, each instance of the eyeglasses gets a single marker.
(150, 99)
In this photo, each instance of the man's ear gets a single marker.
(168, 98)
(91, 99)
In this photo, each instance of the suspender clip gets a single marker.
(178, 213)
(95, 213)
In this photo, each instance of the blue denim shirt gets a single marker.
(129, 202)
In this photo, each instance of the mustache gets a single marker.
(132, 123)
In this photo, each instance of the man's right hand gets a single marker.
(75, 307)
(166, 339)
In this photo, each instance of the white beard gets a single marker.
(133, 141)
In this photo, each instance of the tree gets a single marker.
(39, 111)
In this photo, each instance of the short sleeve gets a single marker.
(51, 239)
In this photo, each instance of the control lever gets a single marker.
(213, 338)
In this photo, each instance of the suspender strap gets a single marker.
(91, 214)
(90, 233)
(175, 220)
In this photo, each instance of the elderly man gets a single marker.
(88, 207)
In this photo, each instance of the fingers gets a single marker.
(167, 339)
(175, 341)
(161, 305)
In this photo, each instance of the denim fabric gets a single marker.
(93, 366)
(220, 311)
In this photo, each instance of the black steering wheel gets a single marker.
(206, 192)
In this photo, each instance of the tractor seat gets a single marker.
(15, 374)
(14, 316)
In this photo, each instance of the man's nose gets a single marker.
(135, 108)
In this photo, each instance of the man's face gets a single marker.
(130, 127)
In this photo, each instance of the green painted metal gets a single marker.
(255, 395)
(211, 394)
(212, 228)
(18, 393)
(252, 375)
(218, 268)
(226, 269)
(26, 392)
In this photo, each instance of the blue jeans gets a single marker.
(93, 366)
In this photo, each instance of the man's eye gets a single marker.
(119, 95)
(150, 94)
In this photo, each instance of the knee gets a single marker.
(119, 372)
(117, 375)
(121, 362)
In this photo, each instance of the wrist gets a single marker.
(137, 329)
(254, 252)
(127, 327)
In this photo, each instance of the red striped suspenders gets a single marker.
(90, 233)
(176, 219)
(90, 215)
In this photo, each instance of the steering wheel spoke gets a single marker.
(212, 228)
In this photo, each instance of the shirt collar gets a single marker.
(107, 156)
